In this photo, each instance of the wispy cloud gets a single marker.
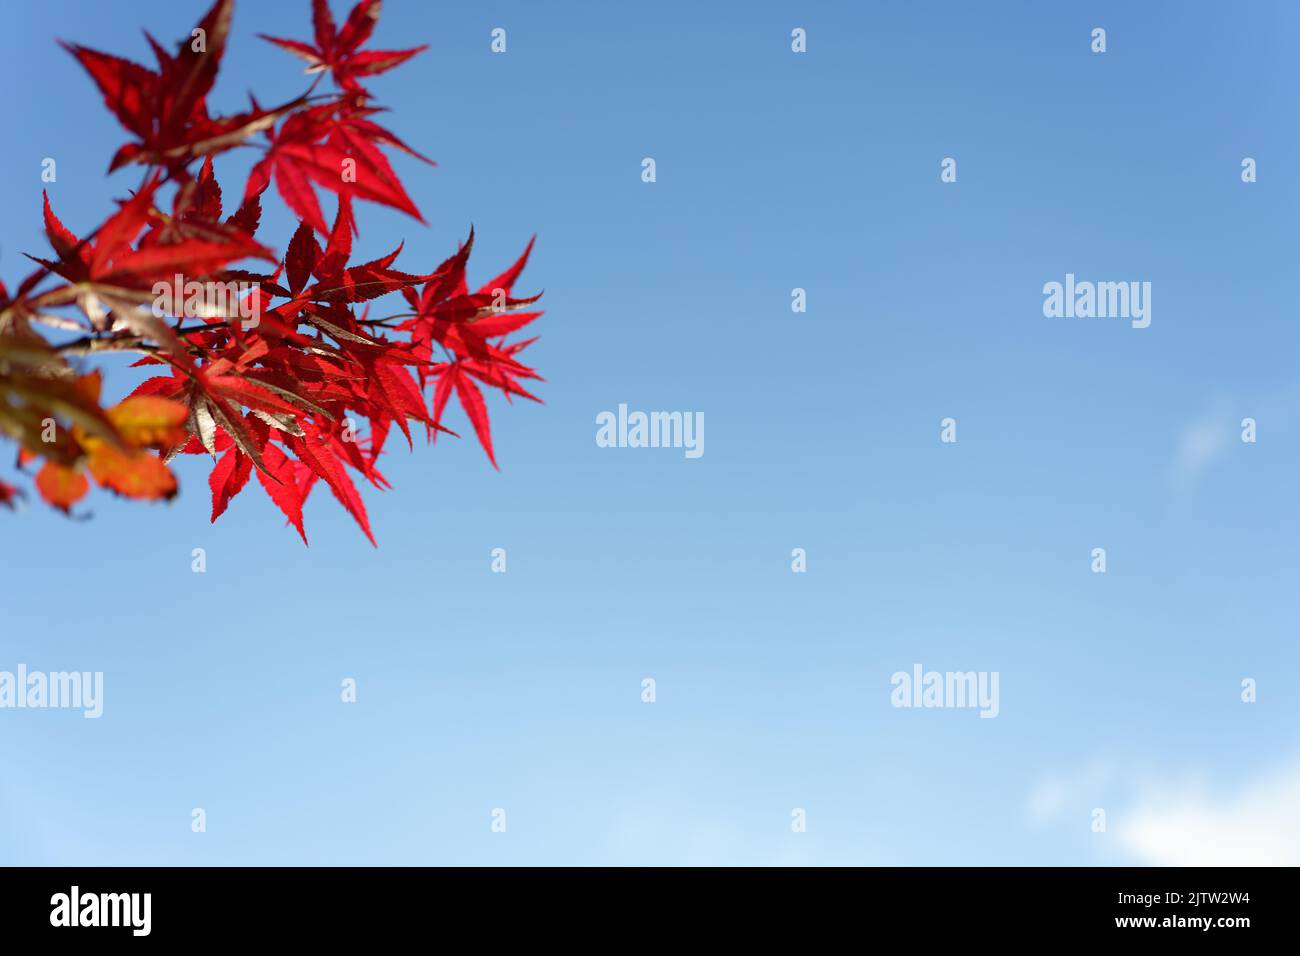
(1207, 439)
(1069, 795)
(1201, 443)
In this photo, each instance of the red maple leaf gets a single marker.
(339, 50)
(166, 108)
(311, 389)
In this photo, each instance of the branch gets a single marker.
(91, 344)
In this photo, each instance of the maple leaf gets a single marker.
(318, 452)
(314, 147)
(144, 423)
(284, 486)
(113, 280)
(37, 387)
(471, 400)
(339, 50)
(134, 474)
(148, 422)
(339, 283)
(228, 479)
(447, 313)
(61, 486)
(121, 461)
(166, 109)
(282, 396)
(462, 323)
(111, 264)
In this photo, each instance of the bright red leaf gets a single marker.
(288, 376)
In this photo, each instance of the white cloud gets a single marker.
(1257, 825)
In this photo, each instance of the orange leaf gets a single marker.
(148, 420)
(91, 385)
(135, 474)
(62, 487)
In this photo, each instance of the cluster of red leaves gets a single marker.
(283, 397)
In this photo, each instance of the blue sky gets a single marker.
(775, 170)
